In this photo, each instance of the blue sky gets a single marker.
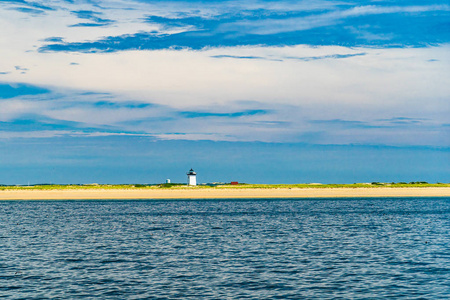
(282, 80)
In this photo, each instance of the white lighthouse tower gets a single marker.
(191, 177)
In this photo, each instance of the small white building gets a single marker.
(191, 177)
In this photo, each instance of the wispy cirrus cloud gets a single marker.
(202, 114)
(348, 25)
(404, 121)
(271, 26)
(28, 7)
(244, 57)
(307, 58)
(28, 10)
(93, 17)
(54, 39)
(31, 4)
(39, 111)
(8, 90)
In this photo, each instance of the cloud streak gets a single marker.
(27, 112)
(92, 16)
(200, 114)
(275, 26)
(15, 90)
(352, 26)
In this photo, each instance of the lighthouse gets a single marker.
(191, 177)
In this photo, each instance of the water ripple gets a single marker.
(226, 249)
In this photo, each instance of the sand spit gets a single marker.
(222, 193)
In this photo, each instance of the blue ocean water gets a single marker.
(395, 248)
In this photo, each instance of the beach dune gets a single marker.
(222, 193)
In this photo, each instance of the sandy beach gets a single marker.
(221, 193)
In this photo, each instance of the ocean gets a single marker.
(382, 248)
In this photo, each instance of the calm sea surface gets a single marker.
(226, 249)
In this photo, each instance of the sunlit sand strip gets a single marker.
(223, 193)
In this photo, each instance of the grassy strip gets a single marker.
(224, 186)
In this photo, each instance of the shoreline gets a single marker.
(141, 194)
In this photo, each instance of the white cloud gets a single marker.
(383, 77)
(383, 83)
(11, 109)
(274, 26)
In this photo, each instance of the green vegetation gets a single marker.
(169, 185)
(324, 186)
(223, 186)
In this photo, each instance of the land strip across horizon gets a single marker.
(117, 192)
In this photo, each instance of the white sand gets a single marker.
(212, 193)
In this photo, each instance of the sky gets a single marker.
(138, 91)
